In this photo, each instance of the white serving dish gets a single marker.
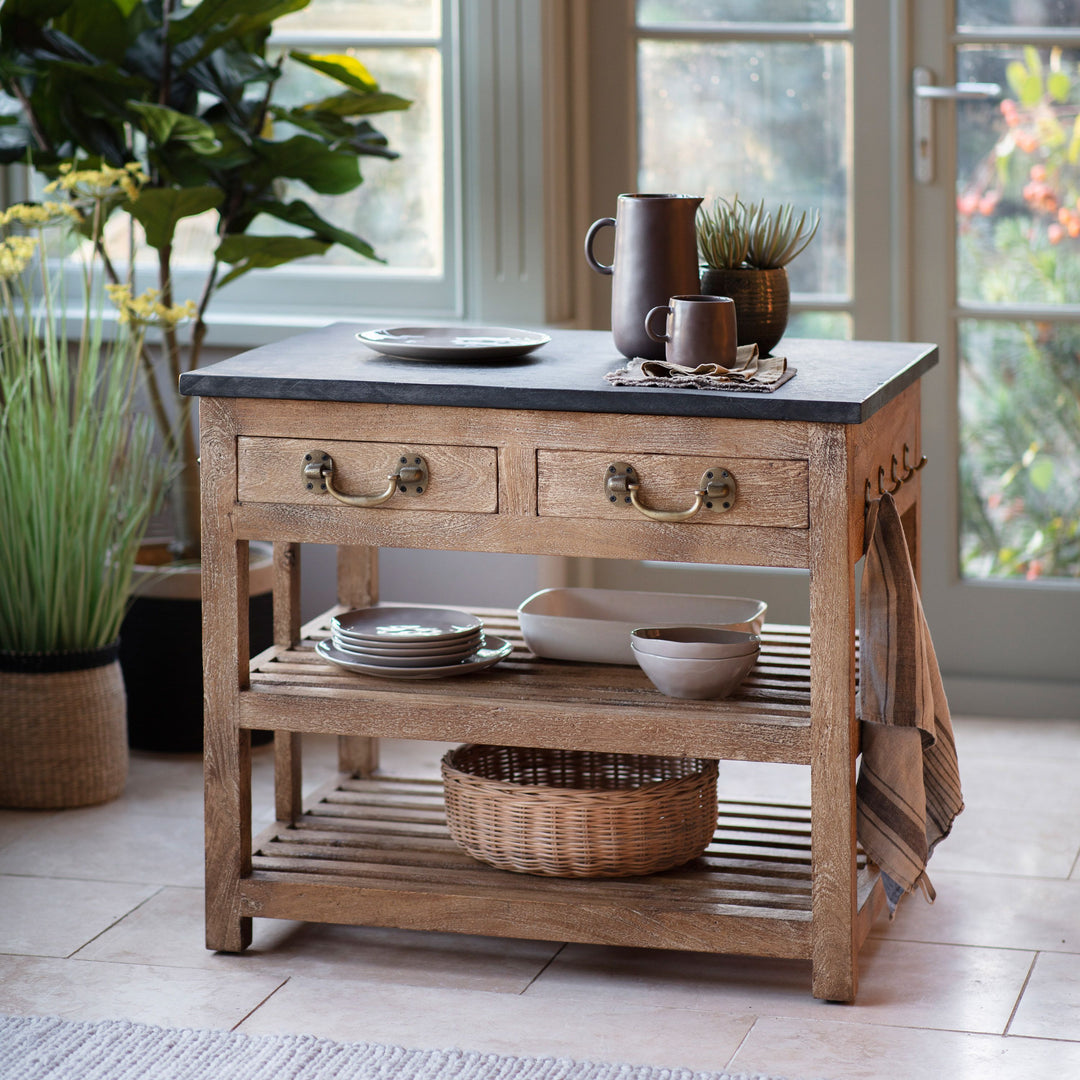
(594, 625)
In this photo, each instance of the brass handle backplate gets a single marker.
(717, 492)
(408, 476)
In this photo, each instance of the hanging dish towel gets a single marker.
(908, 791)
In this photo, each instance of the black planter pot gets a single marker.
(161, 658)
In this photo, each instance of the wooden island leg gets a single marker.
(833, 732)
(288, 763)
(358, 587)
(226, 746)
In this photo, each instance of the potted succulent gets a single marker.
(78, 487)
(744, 249)
(188, 91)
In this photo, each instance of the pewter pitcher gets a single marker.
(655, 258)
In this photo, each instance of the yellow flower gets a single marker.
(15, 253)
(147, 309)
(40, 214)
(100, 183)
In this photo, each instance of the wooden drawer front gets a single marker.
(770, 492)
(462, 479)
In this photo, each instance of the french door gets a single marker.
(996, 282)
(923, 237)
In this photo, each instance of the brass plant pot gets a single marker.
(762, 298)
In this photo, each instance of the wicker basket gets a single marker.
(63, 730)
(566, 813)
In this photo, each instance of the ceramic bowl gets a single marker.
(683, 677)
(694, 642)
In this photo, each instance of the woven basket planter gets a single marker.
(63, 729)
(566, 813)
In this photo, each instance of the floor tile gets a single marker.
(992, 911)
(18, 824)
(1036, 784)
(1050, 1007)
(900, 982)
(1010, 840)
(810, 1049)
(1015, 738)
(111, 843)
(54, 917)
(602, 1030)
(168, 930)
(80, 990)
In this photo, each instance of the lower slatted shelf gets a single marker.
(378, 852)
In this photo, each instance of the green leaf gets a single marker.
(261, 252)
(325, 170)
(160, 209)
(1059, 85)
(344, 69)
(352, 104)
(163, 125)
(1041, 474)
(228, 20)
(1073, 152)
(126, 6)
(1031, 91)
(300, 214)
(1016, 74)
(1033, 60)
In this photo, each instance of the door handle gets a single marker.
(924, 93)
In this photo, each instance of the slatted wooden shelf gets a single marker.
(381, 847)
(526, 700)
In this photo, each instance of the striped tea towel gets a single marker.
(908, 791)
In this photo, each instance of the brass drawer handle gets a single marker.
(409, 476)
(717, 491)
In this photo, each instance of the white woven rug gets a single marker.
(47, 1048)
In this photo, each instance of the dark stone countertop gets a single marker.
(836, 382)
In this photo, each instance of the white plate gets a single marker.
(402, 624)
(595, 624)
(383, 659)
(453, 342)
(462, 645)
(495, 650)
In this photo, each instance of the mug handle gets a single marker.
(590, 258)
(648, 323)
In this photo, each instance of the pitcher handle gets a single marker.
(590, 258)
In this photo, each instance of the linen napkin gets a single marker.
(753, 372)
(908, 791)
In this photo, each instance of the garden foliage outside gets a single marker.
(1019, 244)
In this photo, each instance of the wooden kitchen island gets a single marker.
(517, 457)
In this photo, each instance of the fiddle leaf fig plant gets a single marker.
(186, 90)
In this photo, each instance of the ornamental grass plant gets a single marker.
(733, 234)
(80, 478)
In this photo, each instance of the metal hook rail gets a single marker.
(897, 481)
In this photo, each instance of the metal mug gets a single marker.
(698, 330)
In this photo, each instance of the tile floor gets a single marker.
(100, 916)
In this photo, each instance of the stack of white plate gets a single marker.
(411, 642)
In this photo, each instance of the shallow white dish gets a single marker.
(401, 624)
(495, 650)
(453, 342)
(595, 624)
(685, 677)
